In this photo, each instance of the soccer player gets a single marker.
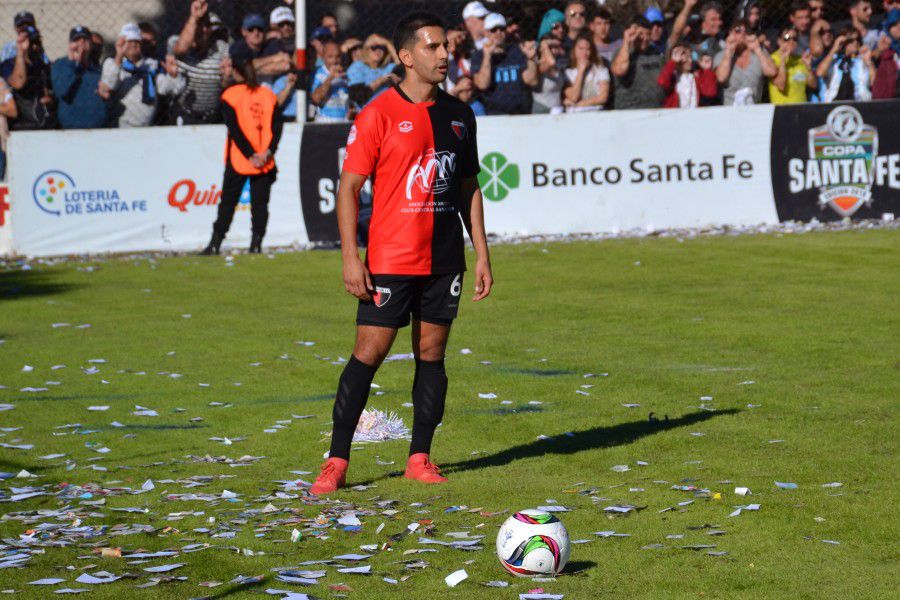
(418, 145)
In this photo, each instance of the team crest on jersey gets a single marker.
(405, 126)
(381, 296)
(431, 173)
(459, 128)
(352, 136)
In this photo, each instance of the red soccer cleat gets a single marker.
(420, 468)
(332, 477)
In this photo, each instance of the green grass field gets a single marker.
(811, 320)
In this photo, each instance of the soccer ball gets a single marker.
(533, 542)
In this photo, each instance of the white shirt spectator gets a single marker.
(591, 88)
(127, 83)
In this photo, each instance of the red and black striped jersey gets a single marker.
(418, 154)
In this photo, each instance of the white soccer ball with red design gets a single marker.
(533, 542)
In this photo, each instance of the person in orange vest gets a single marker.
(254, 122)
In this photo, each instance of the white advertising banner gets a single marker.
(6, 246)
(607, 172)
(127, 190)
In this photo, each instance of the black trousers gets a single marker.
(232, 186)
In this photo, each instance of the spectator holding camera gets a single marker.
(686, 86)
(887, 77)
(848, 69)
(794, 77)
(76, 83)
(330, 89)
(21, 21)
(587, 79)
(376, 69)
(636, 68)
(28, 74)
(743, 66)
(134, 83)
(505, 73)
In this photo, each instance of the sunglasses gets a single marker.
(573, 13)
(789, 38)
(824, 31)
(285, 24)
(496, 29)
(378, 47)
(253, 29)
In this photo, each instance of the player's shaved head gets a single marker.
(405, 34)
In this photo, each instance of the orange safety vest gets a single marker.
(254, 108)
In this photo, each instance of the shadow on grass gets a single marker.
(576, 567)
(23, 284)
(239, 588)
(580, 441)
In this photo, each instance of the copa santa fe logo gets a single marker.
(843, 163)
(56, 193)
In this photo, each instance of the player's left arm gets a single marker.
(473, 218)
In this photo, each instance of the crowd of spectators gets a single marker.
(574, 60)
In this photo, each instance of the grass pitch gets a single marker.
(774, 357)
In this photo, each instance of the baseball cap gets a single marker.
(280, 15)
(494, 20)
(252, 20)
(475, 9)
(654, 15)
(79, 32)
(23, 18)
(321, 33)
(892, 18)
(130, 32)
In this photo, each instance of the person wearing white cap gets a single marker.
(473, 15)
(133, 83)
(282, 22)
(506, 74)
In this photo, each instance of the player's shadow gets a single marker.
(22, 284)
(586, 439)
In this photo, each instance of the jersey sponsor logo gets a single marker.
(459, 128)
(431, 173)
(405, 126)
(381, 296)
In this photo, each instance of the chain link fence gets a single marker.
(56, 17)
(359, 18)
(356, 18)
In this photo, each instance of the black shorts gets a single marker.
(429, 298)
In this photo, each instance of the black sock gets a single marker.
(352, 395)
(429, 394)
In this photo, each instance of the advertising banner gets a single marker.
(138, 189)
(6, 248)
(591, 172)
(831, 161)
(602, 172)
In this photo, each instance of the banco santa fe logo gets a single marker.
(498, 177)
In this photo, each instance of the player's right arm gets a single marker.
(363, 151)
(357, 279)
